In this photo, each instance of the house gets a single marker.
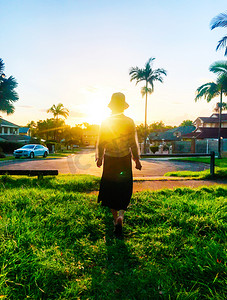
(24, 131)
(174, 134)
(211, 122)
(9, 132)
(8, 128)
(205, 137)
(89, 137)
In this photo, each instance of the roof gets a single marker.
(214, 118)
(206, 133)
(14, 138)
(172, 134)
(23, 129)
(7, 123)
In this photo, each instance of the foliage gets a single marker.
(57, 243)
(154, 149)
(9, 147)
(186, 123)
(148, 75)
(145, 90)
(8, 95)
(58, 110)
(211, 90)
(153, 127)
(220, 21)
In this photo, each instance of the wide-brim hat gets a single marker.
(118, 101)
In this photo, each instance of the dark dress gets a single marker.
(116, 184)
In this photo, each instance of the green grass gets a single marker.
(222, 163)
(7, 158)
(220, 169)
(56, 242)
(220, 173)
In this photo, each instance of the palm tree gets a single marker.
(211, 90)
(220, 21)
(57, 111)
(148, 75)
(8, 95)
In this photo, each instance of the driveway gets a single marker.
(84, 163)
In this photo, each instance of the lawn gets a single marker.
(57, 242)
(220, 168)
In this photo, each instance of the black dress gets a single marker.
(116, 184)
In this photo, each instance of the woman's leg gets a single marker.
(115, 215)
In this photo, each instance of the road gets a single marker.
(84, 163)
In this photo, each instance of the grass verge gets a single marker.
(57, 242)
(220, 173)
(220, 169)
(222, 163)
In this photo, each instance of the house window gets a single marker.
(5, 130)
(11, 130)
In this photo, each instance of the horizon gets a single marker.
(78, 54)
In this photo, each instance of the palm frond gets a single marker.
(145, 90)
(222, 44)
(2, 65)
(148, 63)
(219, 21)
(208, 91)
(219, 67)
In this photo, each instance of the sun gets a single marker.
(95, 106)
(95, 114)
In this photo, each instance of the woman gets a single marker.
(117, 143)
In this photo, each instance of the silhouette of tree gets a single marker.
(148, 75)
(220, 21)
(8, 95)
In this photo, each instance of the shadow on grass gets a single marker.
(122, 276)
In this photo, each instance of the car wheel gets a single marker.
(45, 154)
(32, 155)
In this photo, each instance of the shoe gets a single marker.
(118, 227)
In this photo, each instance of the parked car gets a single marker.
(31, 150)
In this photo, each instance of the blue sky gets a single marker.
(79, 52)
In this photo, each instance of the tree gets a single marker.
(8, 95)
(58, 110)
(148, 75)
(187, 123)
(220, 21)
(153, 127)
(211, 90)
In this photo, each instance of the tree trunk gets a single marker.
(145, 131)
(219, 129)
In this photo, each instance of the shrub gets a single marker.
(9, 147)
(154, 149)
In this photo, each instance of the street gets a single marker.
(83, 162)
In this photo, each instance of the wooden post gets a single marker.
(212, 163)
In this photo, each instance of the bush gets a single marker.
(154, 149)
(9, 147)
(2, 155)
(166, 148)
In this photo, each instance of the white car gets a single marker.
(31, 150)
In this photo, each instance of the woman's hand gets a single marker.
(98, 162)
(138, 164)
